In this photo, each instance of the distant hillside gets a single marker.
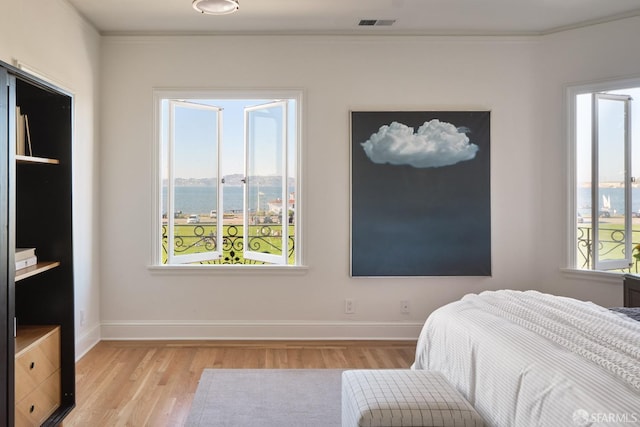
(232, 180)
(193, 182)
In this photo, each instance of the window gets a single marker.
(605, 207)
(228, 178)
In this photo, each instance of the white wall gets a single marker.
(337, 74)
(591, 54)
(521, 80)
(51, 38)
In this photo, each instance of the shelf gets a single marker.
(28, 335)
(33, 159)
(40, 267)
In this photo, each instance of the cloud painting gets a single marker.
(435, 144)
(420, 193)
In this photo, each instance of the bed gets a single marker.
(533, 359)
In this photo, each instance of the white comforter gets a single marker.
(533, 359)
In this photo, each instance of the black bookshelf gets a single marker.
(36, 198)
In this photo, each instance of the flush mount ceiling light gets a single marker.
(216, 7)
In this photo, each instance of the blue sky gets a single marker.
(193, 135)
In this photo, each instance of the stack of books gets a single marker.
(25, 257)
(23, 136)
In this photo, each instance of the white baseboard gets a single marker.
(261, 330)
(87, 341)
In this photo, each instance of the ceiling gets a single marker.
(412, 17)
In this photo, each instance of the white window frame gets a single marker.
(203, 256)
(595, 211)
(160, 94)
(284, 199)
(572, 91)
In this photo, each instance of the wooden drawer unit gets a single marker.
(37, 374)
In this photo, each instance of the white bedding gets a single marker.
(532, 359)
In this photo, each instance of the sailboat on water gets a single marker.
(606, 206)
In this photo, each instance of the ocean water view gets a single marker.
(614, 195)
(201, 200)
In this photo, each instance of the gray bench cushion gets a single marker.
(403, 397)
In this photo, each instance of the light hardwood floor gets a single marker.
(152, 383)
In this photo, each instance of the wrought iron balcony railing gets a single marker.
(611, 242)
(266, 238)
(194, 238)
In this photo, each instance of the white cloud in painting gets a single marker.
(435, 144)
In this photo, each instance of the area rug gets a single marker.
(267, 398)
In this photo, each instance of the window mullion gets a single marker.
(170, 187)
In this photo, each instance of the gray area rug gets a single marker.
(267, 398)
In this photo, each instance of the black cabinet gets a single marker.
(631, 290)
(35, 195)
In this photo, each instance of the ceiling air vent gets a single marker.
(376, 22)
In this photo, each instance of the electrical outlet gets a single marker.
(404, 306)
(349, 306)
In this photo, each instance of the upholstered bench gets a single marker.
(403, 397)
